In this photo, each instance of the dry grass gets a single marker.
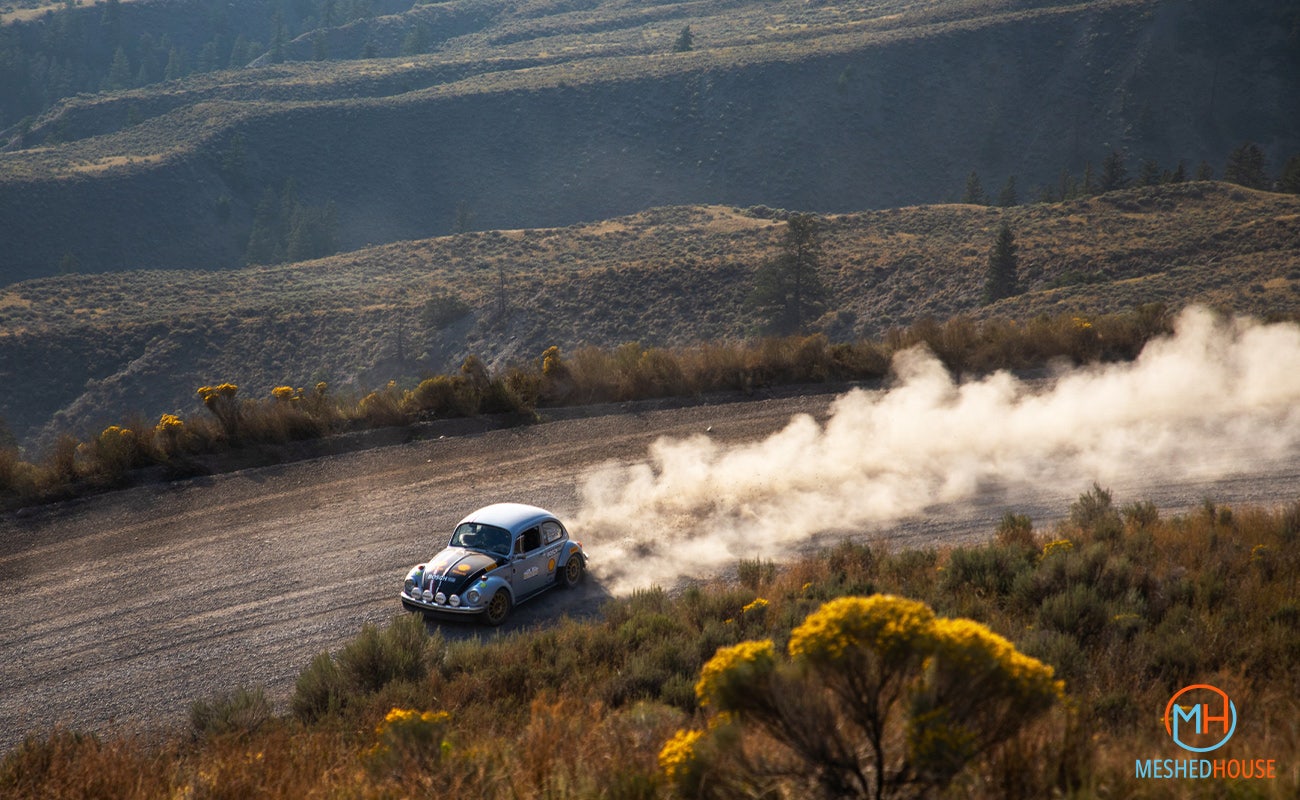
(667, 278)
(582, 709)
(232, 421)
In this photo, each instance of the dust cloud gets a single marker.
(1207, 402)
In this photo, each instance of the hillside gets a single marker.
(547, 114)
(82, 351)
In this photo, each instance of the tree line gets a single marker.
(111, 47)
(1247, 165)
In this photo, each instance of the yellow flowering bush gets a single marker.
(970, 655)
(552, 366)
(116, 449)
(892, 628)
(169, 424)
(220, 400)
(928, 693)
(213, 394)
(726, 678)
(677, 758)
(758, 604)
(284, 394)
(1057, 546)
(408, 738)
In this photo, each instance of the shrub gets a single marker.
(1094, 513)
(319, 690)
(383, 407)
(220, 400)
(409, 740)
(377, 657)
(756, 573)
(1015, 530)
(1079, 610)
(989, 570)
(240, 712)
(883, 669)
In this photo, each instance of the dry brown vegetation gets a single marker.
(667, 278)
(1127, 605)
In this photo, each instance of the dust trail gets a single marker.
(1203, 403)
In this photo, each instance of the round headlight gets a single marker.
(455, 600)
(428, 595)
(410, 587)
(440, 598)
(472, 596)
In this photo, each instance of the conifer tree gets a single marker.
(1290, 180)
(1009, 196)
(1150, 174)
(975, 195)
(1245, 167)
(1002, 280)
(1089, 187)
(119, 74)
(685, 41)
(1114, 175)
(788, 292)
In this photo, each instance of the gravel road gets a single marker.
(118, 611)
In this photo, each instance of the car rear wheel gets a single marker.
(498, 608)
(572, 573)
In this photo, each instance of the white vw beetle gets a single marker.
(498, 557)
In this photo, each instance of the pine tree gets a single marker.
(788, 292)
(1009, 196)
(1002, 280)
(1290, 180)
(1204, 172)
(685, 41)
(1245, 167)
(1114, 175)
(119, 74)
(1150, 174)
(974, 191)
(175, 65)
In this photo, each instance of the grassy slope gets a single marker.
(1127, 606)
(548, 115)
(670, 276)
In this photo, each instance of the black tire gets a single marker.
(498, 608)
(571, 575)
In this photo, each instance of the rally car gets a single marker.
(498, 557)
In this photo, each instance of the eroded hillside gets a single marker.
(557, 113)
(83, 351)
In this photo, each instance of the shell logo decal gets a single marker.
(463, 568)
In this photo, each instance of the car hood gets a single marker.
(453, 569)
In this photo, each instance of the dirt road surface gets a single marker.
(118, 611)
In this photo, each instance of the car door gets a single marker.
(529, 563)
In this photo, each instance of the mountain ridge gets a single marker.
(87, 350)
(837, 122)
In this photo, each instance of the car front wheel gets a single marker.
(572, 573)
(498, 608)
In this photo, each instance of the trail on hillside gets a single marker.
(1213, 400)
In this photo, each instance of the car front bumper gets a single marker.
(420, 604)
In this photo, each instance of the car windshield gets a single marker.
(478, 536)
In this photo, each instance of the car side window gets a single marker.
(528, 541)
(552, 532)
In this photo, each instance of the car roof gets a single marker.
(514, 517)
